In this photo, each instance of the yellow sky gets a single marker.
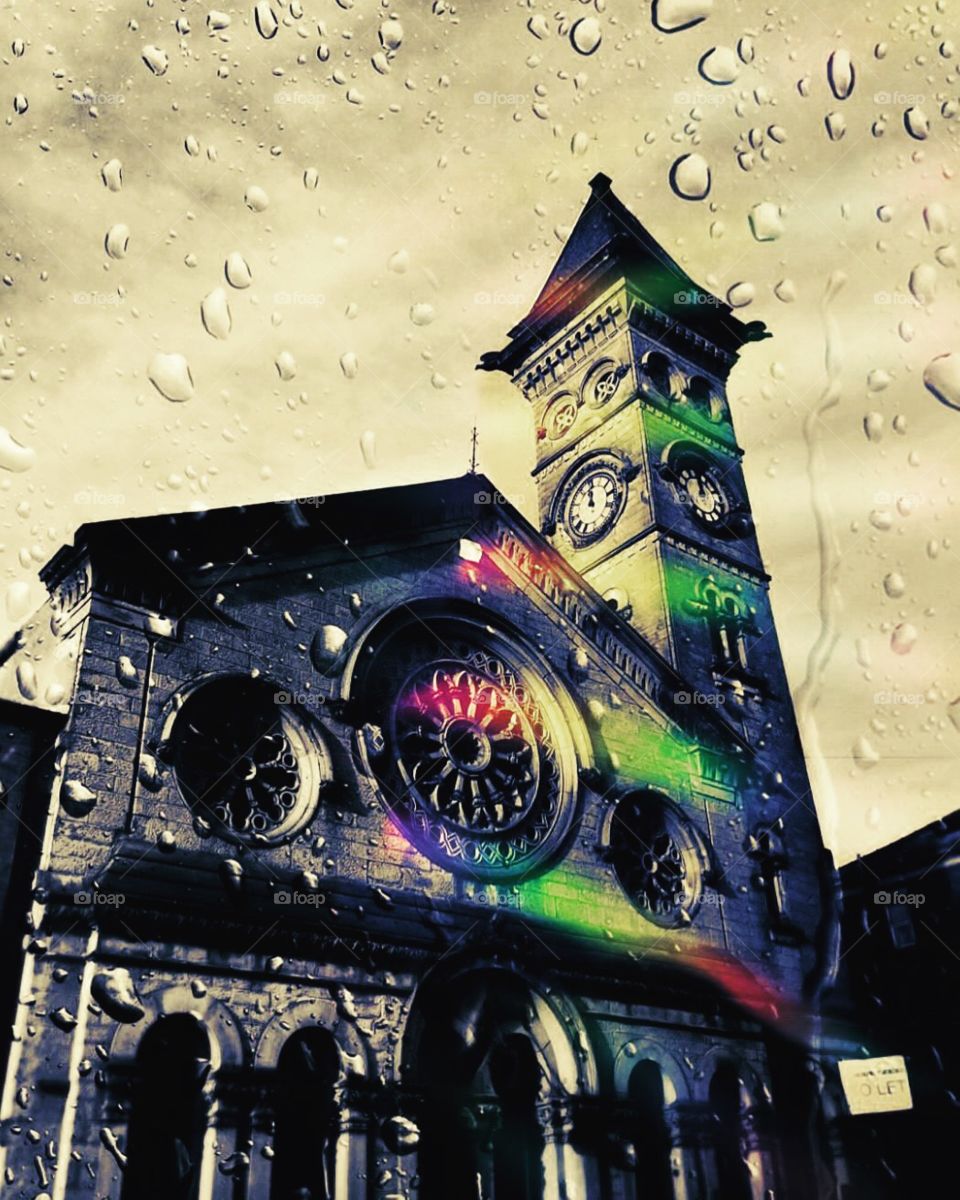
(398, 179)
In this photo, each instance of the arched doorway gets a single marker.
(726, 1101)
(305, 1117)
(496, 1079)
(651, 1136)
(169, 1112)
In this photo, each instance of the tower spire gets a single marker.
(473, 451)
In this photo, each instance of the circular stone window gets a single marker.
(245, 762)
(657, 856)
(469, 746)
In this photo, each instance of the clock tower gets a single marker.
(624, 360)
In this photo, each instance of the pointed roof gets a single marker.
(609, 242)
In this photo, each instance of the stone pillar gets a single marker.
(693, 1133)
(564, 1170)
(352, 1148)
(757, 1140)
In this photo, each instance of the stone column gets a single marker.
(351, 1159)
(693, 1133)
(564, 1170)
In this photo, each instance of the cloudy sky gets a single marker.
(255, 251)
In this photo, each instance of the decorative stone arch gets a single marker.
(676, 1085)
(307, 747)
(560, 415)
(351, 1153)
(229, 1049)
(659, 372)
(394, 657)
(754, 1123)
(556, 1033)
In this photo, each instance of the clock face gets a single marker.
(701, 490)
(593, 503)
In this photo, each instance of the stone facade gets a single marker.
(396, 848)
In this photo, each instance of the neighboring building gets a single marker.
(396, 848)
(896, 994)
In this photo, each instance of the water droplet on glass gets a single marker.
(20, 104)
(217, 20)
(13, 456)
(923, 283)
(916, 123)
(398, 261)
(719, 65)
(745, 50)
(840, 74)
(903, 638)
(670, 16)
(946, 256)
(422, 314)
(18, 46)
(766, 224)
(586, 35)
(156, 59)
(538, 27)
(286, 365)
(864, 755)
(935, 218)
(941, 377)
(170, 375)
(349, 364)
(112, 174)
(311, 177)
(785, 291)
(391, 34)
(265, 20)
(579, 143)
(255, 198)
(236, 270)
(836, 126)
(215, 314)
(894, 585)
(739, 295)
(878, 379)
(690, 177)
(368, 448)
(117, 241)
(873, 426)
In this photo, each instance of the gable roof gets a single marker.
(165, 562)
(608, 242)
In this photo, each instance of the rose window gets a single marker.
(470, 748)
(245, 762)
(656, 856)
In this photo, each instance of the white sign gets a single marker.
(873, 1085)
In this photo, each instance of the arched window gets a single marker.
(169, 1113)
(305, 1126)
(700, 394)
(656, 367)
(726, 1094)
(651, 1137)
(515, 1077)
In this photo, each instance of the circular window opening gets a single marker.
(655, 853)
(245, 762)
(471, 751)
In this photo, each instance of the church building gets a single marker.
(388, 845)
